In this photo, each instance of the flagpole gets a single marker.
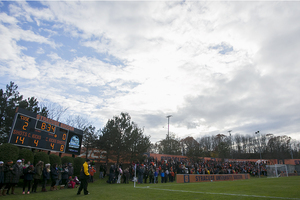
(134, 179)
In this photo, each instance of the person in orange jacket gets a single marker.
(92, 172)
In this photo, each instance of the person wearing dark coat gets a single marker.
(37, 176)
(71, 170)
(54, 176)
(1, 176)
(140, 172)
(65, 175)
(105, 170)
(101, 170)
(17, 173)
(111, 174)
(46, 176)
(28, 177)
(8, 176)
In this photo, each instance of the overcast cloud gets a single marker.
(213, 66)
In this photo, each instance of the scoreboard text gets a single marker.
(36, 131)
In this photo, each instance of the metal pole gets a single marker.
(259, 151)
(134, 179)
(182, 147)
(230, 144)
(169, 130)
(291, 151)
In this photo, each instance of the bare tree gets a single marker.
(55, 111)
(78, 122)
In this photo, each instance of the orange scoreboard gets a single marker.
(35, 131)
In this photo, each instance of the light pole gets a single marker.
(182, 147)
(230, 144)
(291, 149)
(257, 132)
(169, 130)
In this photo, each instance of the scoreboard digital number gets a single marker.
(35, 131)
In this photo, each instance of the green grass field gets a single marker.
(254, 188)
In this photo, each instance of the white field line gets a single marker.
(213, 193)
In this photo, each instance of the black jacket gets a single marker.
(46, 174)
(54, 173)
(28, 173)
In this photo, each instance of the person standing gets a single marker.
(105, 170)
(155, 176)
(71, 170)
(17, 173)
(162, 175)
(111, 174)
(37, 176)
(120, 173)
(140, 172)
(166, 175)
(59, 180)
(126, 175)
(84, 177)
(172, 176)
(116, 167)
(101, 170)
(145, 175)
(150, 174)
(46, 176)
(1, 176)
(54, 176)
(92, 172)
(28, 177)
(65, 175)
(8, 175)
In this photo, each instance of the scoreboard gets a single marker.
(35, 131)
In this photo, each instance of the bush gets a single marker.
(9, 152)
(67, 159)
(41, 156)
(54, 159)
(26, 154)
(78, 162)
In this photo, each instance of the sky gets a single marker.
(213, 66)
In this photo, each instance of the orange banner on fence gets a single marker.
(193, 178)
(291, 162)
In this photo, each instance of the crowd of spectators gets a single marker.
(10, 175)
(151, 169)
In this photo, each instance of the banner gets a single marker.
(194, 178)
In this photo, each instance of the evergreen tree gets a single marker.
(123, 139)
(10, 99)
(170, 145)
(89, 138)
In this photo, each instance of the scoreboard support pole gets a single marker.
(49, 152)
(59, 155)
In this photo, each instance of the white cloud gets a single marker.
(40, 51)
(212, 65)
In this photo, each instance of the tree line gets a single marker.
(255, 146)
(123, 140)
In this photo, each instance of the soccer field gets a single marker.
(254, 188)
